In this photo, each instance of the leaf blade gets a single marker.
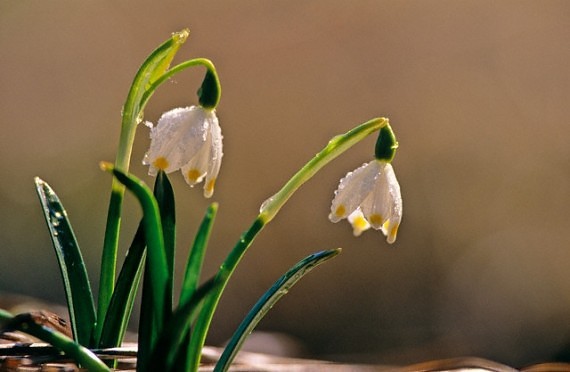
(164, 195)
(267, 301)
(156, 265)
(72, 267)
(197, 254)
(121, 304)
(172, 337)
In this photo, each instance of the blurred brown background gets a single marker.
(477, 92)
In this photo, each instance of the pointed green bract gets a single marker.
(280, 288)
(71, 265)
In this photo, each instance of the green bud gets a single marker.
(386, 144)
(210, 91)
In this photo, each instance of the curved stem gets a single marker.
(183, 66)
(269, 209)
(334, 148)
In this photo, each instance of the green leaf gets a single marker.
(156, 265)
(197, 253)
(86, 358)
(164, 195)
(148, 332)
(71, 265)
(224, 273)
(280, 288)
(173, 335)
(121, 305)
(192, 277)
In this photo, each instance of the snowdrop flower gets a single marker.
(370, 195)
(189, 139)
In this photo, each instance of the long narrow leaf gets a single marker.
(86, 358)
(71, 265)
(120, 307)
(197, 253)
(164, 195)
(157, 267)
(148, 331)
(192, 277)
(267, 301)
(173, 335)
(204, 321)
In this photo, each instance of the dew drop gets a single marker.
(265, 204)
(56, 219)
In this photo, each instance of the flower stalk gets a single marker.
(268, 210)
(335, 147)
(152, 73)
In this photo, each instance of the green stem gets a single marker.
(152, 68)
(334, 148)
(137, 99)
(269, 209)
(211, 69)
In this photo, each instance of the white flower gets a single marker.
(189, 139)
(369, 197)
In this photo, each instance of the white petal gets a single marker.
(178, 136)
(353, 190)
(358, 222)
(215, 158)
(195, 170)
(383, 208)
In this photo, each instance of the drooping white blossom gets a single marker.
(189, 139)
(369, 197)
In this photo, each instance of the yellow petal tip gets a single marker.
(160, 163)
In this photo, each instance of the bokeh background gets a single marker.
(477, 92)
